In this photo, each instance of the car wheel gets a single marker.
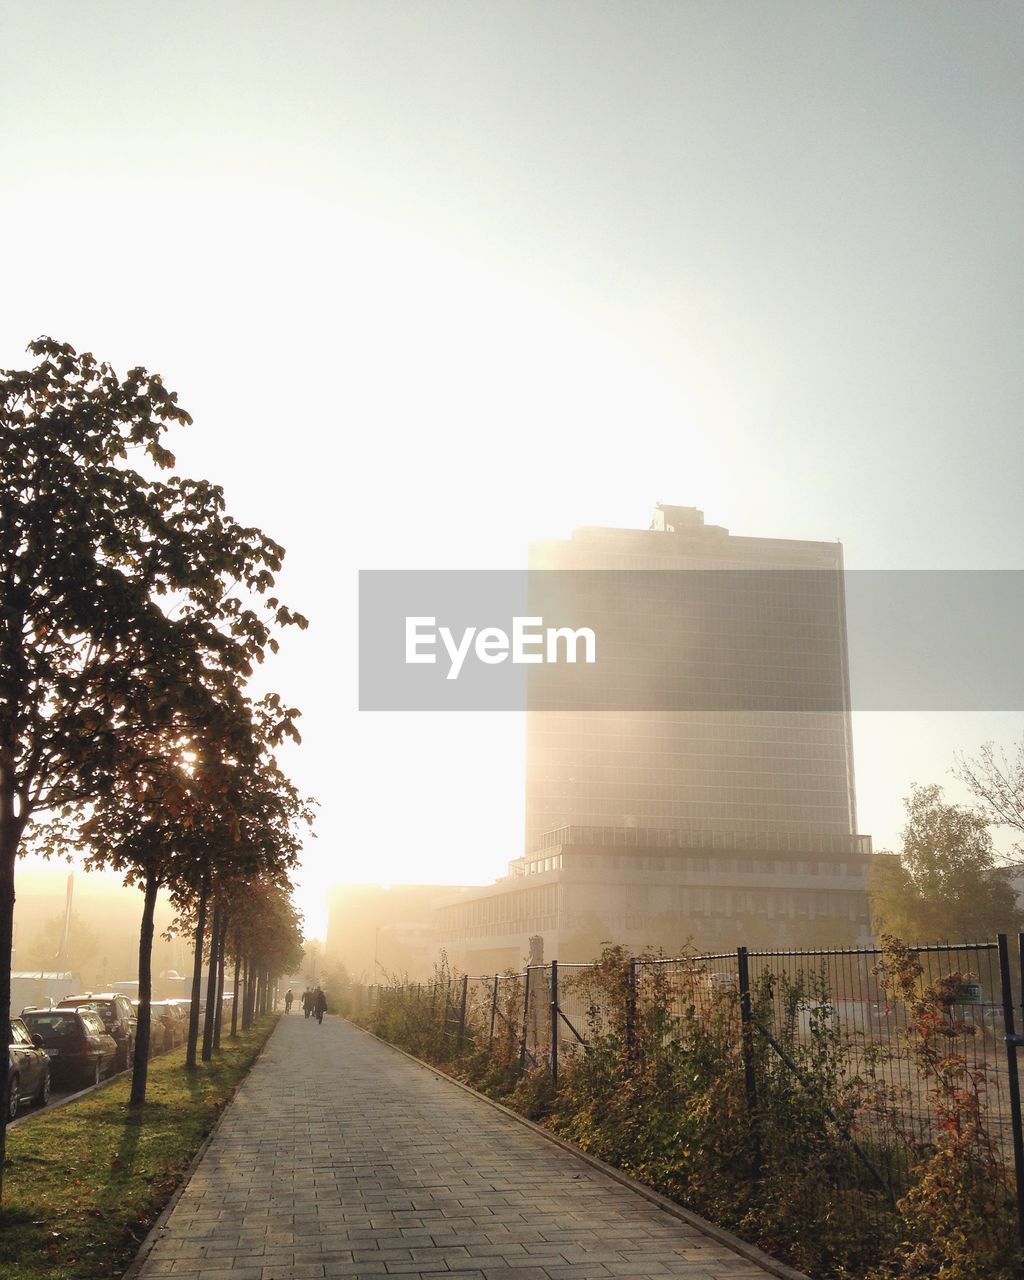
(43, 1096)
(13, 1098)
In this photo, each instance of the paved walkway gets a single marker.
(340, 1157)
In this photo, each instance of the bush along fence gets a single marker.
(853, 1112)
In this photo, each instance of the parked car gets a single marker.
(118, 1018)
(80, 1049)
(168, 1025)
(174, 1017)
(184, 1008)
(28, 1080)
(156, 1032)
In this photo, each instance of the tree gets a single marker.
(312, 959)
(264, 940)
(116, 591)
(268, 819)
(997, 782)
(203, 805)
(944, 884)
(589, 937)
(85, 951)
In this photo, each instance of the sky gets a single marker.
(437, 280)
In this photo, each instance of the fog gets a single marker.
(438, 281)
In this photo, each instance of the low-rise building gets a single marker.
(586, 886)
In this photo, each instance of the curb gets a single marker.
(748, 1251)
(153, 1234)
(35, 1113)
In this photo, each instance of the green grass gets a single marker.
(84, 1183)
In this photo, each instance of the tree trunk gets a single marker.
(245, 996)
(234, 1002)
(250, 992)
(218, 1016)
(211, 983)
(143, 1025)
(197, 977)
(11, 827)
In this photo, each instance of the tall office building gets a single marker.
(739, 617)
(711, 798)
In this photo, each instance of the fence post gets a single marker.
(462, 1014)
(526, 1022)
(1020, 973)
(494, 1014)
(631, 1009)
(1013, 1077)
(554, 1022)
(747, 1041)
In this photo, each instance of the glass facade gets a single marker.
(739, 631)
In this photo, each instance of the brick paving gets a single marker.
(339, 1157)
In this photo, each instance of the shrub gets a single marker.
(958, 1215)
(822, 1163)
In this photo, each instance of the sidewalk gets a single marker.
(340, 1157)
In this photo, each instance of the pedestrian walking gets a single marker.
(319, 1005)
(288, 998)
(307, 1003)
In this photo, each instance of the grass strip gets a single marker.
(84, 1183)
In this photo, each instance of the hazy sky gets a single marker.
(438, 279)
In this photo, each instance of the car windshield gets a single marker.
(105, 1009)
(57, 1025)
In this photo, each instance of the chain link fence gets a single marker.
(859, 1042)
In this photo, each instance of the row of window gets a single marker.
(652, 734)
(488, 916)
(687, 865)
(798, 814)
(634, 837)
(799, 592)
(793, 791)
(684, 552)
(613, 762)
(789, 773)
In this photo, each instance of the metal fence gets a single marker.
(782, 1011)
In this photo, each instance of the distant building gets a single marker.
(377, 930)
(40, 988)
(649, 887)
(722, 826)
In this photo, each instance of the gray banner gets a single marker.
(691, 640)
